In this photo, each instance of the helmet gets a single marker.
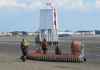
(23, 39)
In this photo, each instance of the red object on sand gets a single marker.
(75, 56)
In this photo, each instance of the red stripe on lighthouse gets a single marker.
(55, 24)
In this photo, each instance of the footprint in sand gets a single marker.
(31, 67)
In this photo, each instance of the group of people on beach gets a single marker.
(25, 44)
(45, 47)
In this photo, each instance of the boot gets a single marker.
(24, 59)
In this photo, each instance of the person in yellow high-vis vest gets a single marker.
(24, 48)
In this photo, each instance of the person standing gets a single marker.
(24, 48)
(44, 46)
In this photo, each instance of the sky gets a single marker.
(74, 15)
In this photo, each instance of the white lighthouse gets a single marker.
(48, 27)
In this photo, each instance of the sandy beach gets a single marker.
(10, 54)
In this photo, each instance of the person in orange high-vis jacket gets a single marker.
(44, 46)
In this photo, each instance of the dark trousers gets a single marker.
(25, 52)
(44, 50)
(58, 51)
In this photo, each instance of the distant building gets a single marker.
(24, 33)
(30, 33)
(19, 33)
(86, 32)
(77, 33)
(97, 31)
(65, 32)
(0, 33)
(3, 33)
(15, 33)
(8, 34)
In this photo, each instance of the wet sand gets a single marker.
(10, 55)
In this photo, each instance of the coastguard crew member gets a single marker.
(57, 50)
(24, 48)
(44, 46)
